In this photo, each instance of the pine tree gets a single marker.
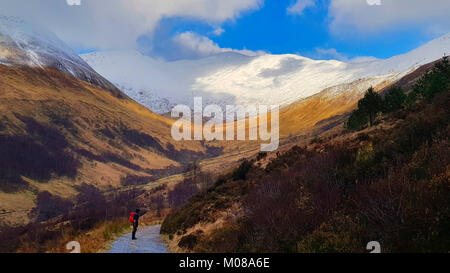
(370, 105)
(357, 120)
(435, 81)
(394, 99)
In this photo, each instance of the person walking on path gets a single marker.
(134, 218)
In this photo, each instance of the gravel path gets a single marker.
(148, 241)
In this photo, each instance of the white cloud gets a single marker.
(218, 31)
(333, 54)
(350, 16)
(373, 2)
(328, 54)
(300, 6)
(191, 45)
(116, 24)
(362, 59)
(73, 2)
(197, 44)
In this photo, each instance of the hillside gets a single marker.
(305, 116)
(388, 183)
(63, 127)
(58, 132)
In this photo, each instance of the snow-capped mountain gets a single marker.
(160, 85)
(25, 43)
(232, 78)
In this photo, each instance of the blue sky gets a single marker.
(189, 29)
(273, 29)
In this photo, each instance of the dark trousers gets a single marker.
(133, 234)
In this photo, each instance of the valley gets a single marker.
(86, 139)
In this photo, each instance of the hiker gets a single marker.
(134, 219)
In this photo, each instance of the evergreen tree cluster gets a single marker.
(435, 81)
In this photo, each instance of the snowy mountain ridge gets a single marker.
(25, 43)
(225, 78)
(232, 78)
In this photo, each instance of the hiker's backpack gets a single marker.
(132, 217)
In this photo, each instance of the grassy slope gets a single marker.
(303, 115)
(101, 137)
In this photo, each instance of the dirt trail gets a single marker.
(148, 241)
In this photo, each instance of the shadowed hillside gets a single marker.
(388, 183)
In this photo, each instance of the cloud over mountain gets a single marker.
(118, 23)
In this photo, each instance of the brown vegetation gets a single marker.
(389, 183)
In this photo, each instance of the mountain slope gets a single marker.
(58, 133)
(160, 85)
(62, 129)
(335, 194)
(301, 116)
(25, 43)
(231, 78)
